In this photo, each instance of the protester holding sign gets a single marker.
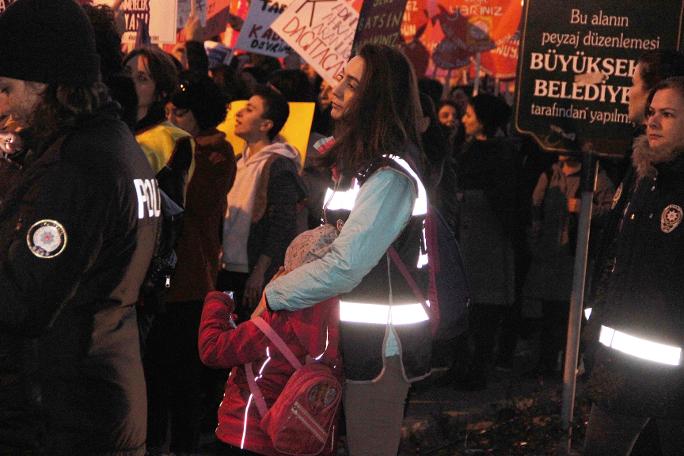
(376, 107)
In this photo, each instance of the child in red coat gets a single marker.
(310, 332)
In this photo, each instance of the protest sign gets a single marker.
(459, 29)
(163, 20)
(476, 25)
(444, 54)
(256, 34)
(502, 61)
(380, 23)
(295, 131)
(238, 10)
(218, 12)
(217, 53)
(185, 8)
(576, 66)
(414, 20)
(321, 32)
(159, 16)
(4, 4)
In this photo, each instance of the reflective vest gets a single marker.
(384, 301)
(640, 347)
(159, 142)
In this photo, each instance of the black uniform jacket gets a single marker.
(77, 233)
(641, 293)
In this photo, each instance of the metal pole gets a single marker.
(476, 84)
(589, 173)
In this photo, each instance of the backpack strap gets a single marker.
(396, 259)
(277, 341)
(280, 344)
(254, 389)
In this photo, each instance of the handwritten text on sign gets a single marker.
(321, 32)
(256, 35)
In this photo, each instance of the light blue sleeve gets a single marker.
(382, 210)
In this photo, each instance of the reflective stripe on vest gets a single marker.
(641, 348)
(336, 200)
(382, 314)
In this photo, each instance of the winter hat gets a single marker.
(491, 111)
(199, 94)
(49, 41)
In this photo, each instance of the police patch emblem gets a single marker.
(616, 197)
(671, 218)
(46, 238)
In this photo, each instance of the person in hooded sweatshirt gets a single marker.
(261, 217)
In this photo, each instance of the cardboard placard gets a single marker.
(380, 23)
(256, 34)
(159, 15)
(295, 131)
(321, 32)
(576, 66)
(217, 53)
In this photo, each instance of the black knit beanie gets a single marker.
(202, 96)
(491, 111)
(48, 41)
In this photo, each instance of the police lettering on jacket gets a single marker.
(147, 191)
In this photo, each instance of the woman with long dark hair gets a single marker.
(380, 204)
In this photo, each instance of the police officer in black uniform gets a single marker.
(638, 310)
(77, 232)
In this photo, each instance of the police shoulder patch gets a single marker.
(46, 238)
(616, 197)
(671, 218)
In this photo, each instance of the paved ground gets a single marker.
(516, 415)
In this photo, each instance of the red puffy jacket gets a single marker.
(312, 331)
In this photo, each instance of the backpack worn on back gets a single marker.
(448, 293)
(302, 419)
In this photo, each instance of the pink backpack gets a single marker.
(302, 420)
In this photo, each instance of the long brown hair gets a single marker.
(383, 116)
(63, 107)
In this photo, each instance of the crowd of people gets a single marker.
(139, 247)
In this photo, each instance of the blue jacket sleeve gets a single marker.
(382, 210)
